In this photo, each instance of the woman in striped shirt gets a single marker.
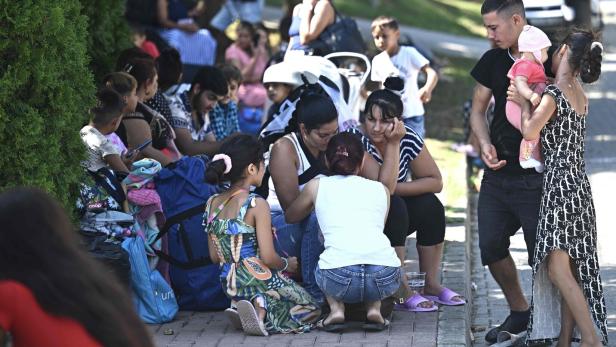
(418, 180)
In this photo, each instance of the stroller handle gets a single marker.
(364, 77)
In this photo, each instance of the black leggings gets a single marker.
(422, 213)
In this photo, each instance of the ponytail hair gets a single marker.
(241, 150)
(314, 109)
(590, 67)
(585, 54)
(121, 82)
(109, 106)
(141, 69)
(344, 154)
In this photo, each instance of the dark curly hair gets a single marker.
(243, 150)
(582, 56)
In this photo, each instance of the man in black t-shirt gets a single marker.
(510, 195)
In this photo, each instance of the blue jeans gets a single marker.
(418, 124)
(250, 11)
(359, 283)
(300, 240)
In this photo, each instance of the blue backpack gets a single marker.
(153, 297)
(184, 194)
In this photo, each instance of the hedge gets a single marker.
(45, 90)
(108, 34)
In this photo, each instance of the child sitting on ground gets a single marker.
(404, 62)
(105, 119)
(358, 264)
(528, 76)
(240, 238)
(223, 117)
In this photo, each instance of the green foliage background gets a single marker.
(108, 34)
(47, 86)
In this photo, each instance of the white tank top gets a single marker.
(304, 165)
(351, 212)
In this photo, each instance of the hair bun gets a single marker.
(394, 84)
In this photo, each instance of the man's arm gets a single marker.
(479, 125)
(188, 146)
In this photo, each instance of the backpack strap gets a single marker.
(177, 219)
(106, 179)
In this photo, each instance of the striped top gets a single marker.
(410, 147)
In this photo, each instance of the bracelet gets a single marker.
(286, 264)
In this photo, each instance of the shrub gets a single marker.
(45, 90)
(108, 34)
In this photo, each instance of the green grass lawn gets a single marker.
(445, 126)
(460, 17)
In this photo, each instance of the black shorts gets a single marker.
(506, 203)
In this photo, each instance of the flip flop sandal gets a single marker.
(331, 327)
(412, 304)
(445, 298)
(374, 326)
(234, 318)
(506, 339)
(251, 323)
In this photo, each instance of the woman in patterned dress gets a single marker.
(240, 238)
(566, 280)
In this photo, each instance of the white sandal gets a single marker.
(251, 323)
(234, 318)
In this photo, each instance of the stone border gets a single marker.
(454, 322)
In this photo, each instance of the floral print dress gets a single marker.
(244, 276)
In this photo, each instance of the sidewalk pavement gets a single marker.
(489, 305)
(438, 42)
(444, 328)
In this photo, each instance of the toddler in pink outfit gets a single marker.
(528, 75)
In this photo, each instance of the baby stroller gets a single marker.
(340, 75)
(355, 70)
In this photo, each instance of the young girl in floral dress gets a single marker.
(240, 238)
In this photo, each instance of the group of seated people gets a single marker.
(328, 234)
(326, 207)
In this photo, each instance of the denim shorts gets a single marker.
(358, 283)
(418, 124)
(506, 203)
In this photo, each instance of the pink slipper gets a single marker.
(412, 304)
(445, 298)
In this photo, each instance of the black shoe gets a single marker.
(507, 325)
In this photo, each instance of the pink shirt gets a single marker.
(250, 94)
(532, 70)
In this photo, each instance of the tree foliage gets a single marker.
(45, 90)
(108, 33)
